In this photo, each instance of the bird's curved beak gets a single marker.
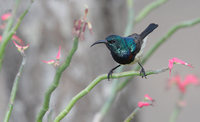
(99, 42)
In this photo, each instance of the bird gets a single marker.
(127, 50)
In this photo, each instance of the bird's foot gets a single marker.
(110, 75)
(111, 71)
(143, 73)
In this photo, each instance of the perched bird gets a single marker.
(127, 50)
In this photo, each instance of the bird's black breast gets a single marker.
(125, 59)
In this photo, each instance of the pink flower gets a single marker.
(58, 54)
(49, 62)
(0, 38)
(6, 16)
(55, 62)
(142, 104)
(147, 101)
(189, 79)
(16, 38)
(176, 61)
(147, 97)
(20, 48)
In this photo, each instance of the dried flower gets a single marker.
(80, 26)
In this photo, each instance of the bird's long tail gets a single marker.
(148, 30)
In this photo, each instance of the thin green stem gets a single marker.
(56, 80)
(14, 90)
(9, 33)
(110, 99)
(177, 110)
(158, 44)
(129, 26)
(149, 8)
(128, 30)
(132, 115)
(94, 83)
(11, 19)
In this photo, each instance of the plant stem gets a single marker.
(8, 33)
(127, 31)
(177, 110)
(132, 115)
(94, 83)
(158, 44)
(56, 80)
(14, 90)
(145, 11)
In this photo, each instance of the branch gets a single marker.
(94, 83)
(132, 115)
(149, 8)
(158, 44)
(56, 80)
(14, 90)
(8, 33)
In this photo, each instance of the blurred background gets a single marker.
(49, 24)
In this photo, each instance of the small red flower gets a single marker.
(6, 16)
(0, 38)
(55, 62)
(176, 61)
(142, 104)
(49, 62)
(189, 79)
(20, 48)
(16, 38)
(147, 97)
(147, 101)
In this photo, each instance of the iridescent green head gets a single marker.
(121, 48)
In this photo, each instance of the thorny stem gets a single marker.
(94, 83)
(56, 80)
(14, 90)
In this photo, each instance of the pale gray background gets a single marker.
(49, 24)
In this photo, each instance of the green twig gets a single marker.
(94, 83)
(14, 90)
(158, 44)
(148, 9)
(8, 33)
(56, 80)
(127, 31)
(132, 115)
(177, 109)
(129, 27)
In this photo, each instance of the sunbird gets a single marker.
(127, 50)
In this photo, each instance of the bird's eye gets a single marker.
(112, 41)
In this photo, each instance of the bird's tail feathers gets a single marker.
(148, 30)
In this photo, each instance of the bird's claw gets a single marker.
(143, 73)
(109, 75)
